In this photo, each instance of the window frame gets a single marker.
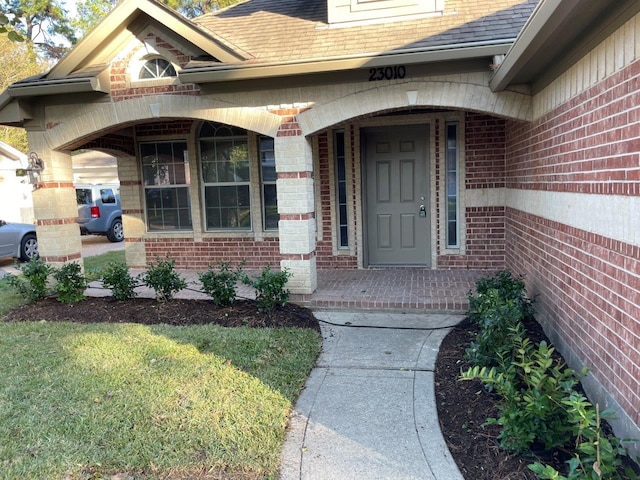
(185, 187)
(204, 184)
(342, 221)
(264, 183)
(452, 184)
(146, 61)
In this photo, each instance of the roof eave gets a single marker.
(558, 33)
(231, 72)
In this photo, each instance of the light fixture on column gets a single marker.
(34, 169)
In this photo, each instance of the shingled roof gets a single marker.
(291, 30)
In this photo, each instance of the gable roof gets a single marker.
(263, 38)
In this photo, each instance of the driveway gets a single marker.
(91, 245)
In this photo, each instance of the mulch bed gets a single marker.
(243, 313)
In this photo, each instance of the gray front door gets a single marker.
(397, 191)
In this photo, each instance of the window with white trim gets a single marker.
(166, 180)
(341, 189)
(157, 67)
(224, 166)
(451, 179)
(268, 178)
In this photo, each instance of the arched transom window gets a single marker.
(157, 68)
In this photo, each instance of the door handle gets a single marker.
(423, 211)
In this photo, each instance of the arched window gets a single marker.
(157, 68)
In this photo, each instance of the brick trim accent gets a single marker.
(298, 257)
(133, 240)
(133, 211)
(297, 216)
(56, 221)
(51, 184)
(62, 258)
(294, 175)
(130, 183)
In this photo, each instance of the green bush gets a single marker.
(221, 285)
(498, 306)
(506, 287)
(597, 455)
(32, 285)
(532, 386)
(70, 283)
(270, 288)
(116, 276)
(493, 341)
(163, 279)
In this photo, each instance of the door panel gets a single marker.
(397, 183)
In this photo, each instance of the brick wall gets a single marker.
(585, 150)
(324, 248)
(485, 147)
(198, 255)
(122, 87)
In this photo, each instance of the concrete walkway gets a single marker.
(368, 410)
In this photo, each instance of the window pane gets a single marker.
(341, 187)
(270, 199)
(452, 184)
(267, 160)
(168, 208)
(228, 207)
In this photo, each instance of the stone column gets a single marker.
(296, 206)
(133, 222)
(55, 208)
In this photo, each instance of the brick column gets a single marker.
(55, 208)
(296, 205)
(133, 222)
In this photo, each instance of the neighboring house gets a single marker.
(349, 134)
(15, 191)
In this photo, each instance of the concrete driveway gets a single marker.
(91, 245)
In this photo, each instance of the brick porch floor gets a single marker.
(415, 289)
(393, 289)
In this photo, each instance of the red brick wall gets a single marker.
(485, 150)
(199, 255)
(324, 248)
(589, 284)
(122, 90)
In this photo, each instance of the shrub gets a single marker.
(498, 306)
(493, 341)
(116, 276)
(270, 288)
(597, 455)
(221, 285)
(163, 279)
(506, 287)
(32, 285)
(70, 283)
(533, 386)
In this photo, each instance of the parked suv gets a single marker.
(99, 211)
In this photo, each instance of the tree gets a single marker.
(43, 23)
(91, 12)
(7, 25)
(19, 61)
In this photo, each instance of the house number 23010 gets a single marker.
(387, 73)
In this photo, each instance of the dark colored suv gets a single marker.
(99, 211)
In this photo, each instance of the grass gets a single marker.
(96, 263)
(80, 401)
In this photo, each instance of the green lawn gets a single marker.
(79, 401)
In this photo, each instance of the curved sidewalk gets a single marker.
(368, 409)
